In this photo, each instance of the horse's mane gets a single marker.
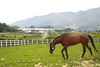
(60, 36)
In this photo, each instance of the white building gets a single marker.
(42, 31)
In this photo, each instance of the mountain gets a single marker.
(82, 20)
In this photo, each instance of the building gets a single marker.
(42, 31)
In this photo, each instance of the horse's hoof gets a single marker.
(66, 58)
(80, 59)
(92, 56)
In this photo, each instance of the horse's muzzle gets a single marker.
(51, 52)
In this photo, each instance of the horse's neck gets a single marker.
(56, 41)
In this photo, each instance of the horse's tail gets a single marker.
(92, 42)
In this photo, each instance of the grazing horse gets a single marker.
(72, 39)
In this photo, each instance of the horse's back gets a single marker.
(73, 39)
(84, 38)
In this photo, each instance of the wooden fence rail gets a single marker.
(5, 43)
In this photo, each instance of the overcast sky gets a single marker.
(15, 10)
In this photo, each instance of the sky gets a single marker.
(15, 10)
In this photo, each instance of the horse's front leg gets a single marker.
(63, 53)
(84, 50)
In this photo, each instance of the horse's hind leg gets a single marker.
(84, 50)
(89, 50)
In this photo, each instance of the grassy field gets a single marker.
(38, 56)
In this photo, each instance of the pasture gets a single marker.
(38, 55)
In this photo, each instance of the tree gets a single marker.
(32, 27)
(68, 30)
(46, 26)
(6, 28)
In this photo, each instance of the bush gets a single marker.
(19, 36)
(52, 35)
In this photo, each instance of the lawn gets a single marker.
(38, 55)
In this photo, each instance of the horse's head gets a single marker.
(52, 48)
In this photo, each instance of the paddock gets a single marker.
(38, 55)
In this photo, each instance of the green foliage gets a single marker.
(46, 26)
(18, 36)
(7, 28)
(52, 35)
(68, 30)
(97, 35)
(23, 36)
(39, 56)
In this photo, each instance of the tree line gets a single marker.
(6, 28)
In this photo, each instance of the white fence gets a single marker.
(5, 43)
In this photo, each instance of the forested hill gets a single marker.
(82, 20)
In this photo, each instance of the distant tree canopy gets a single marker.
(32, 26)
(46, 26)
(68, 29)
(6, 28)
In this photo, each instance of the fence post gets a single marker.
(93, 39)
(18, 42)
(27, 41)
(1, 43)
(21, 42)
(32, 41)
(97, 40)
(10, 43)
(42, 41)
(47, 41)
(14, 43)
(24, 42)
(6, 42)
(36, 41)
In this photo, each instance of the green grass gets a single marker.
(97, 35)
(38, 56)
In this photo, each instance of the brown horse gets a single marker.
(72, 39)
